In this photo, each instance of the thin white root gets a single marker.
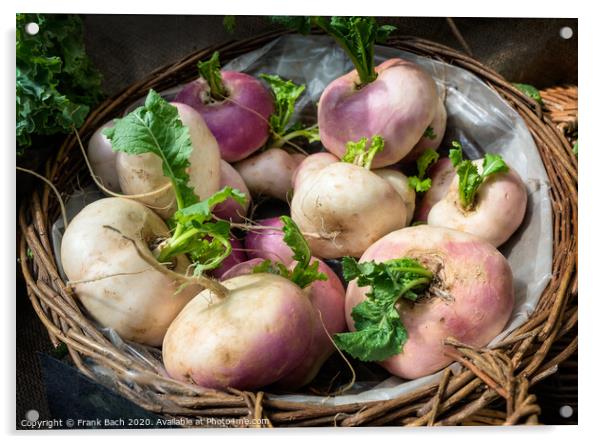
(53, 188)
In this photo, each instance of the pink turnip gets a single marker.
(269, 173)
(235, 106)
(470, 295)
(268, 243)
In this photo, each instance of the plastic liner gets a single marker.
(477, 116)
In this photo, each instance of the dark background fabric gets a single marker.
(127, 47)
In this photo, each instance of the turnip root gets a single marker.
(236, 257)
(235, 106)
(470, 295)
(230, 209)
(328, 300)
(103, 159)
(119, 288)
(343, 207)
(269, 173)
(442, 174)
(398, 105)
(500, 208)
(433, 136)
(143, 173)
(399, 181)
(492, 210)
(249, 339)
(268, 243)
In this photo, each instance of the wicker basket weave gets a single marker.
(493, 387)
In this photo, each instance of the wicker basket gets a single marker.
(492, 388)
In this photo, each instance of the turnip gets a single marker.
(269, 173)
(231, 209)
(248, 339)
(268, 243)
(103, 159)
(417, 286)
(396, 100)
(486, 198)
(117, 286)
(344, 207)
(255, 333)
(235, 106)
(156, 132)
(143, 173)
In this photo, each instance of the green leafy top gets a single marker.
(305, 272)
(356, 35)
(156, 128)
(361, 153)
(468, 174)
(210, 71)
(56, 82)
(380, 332)
(530, 91)
(286, 94)
(426, 159)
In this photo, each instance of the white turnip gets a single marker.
(492, 209)
(400, 182)
(344, 207)
(119, 288)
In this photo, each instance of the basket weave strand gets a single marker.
(493, 387)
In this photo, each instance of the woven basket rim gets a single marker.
(504, 373)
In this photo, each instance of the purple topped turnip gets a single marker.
(396, 100)
(254, 333)
(486, 198)
(416, 287)
(235, 106)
